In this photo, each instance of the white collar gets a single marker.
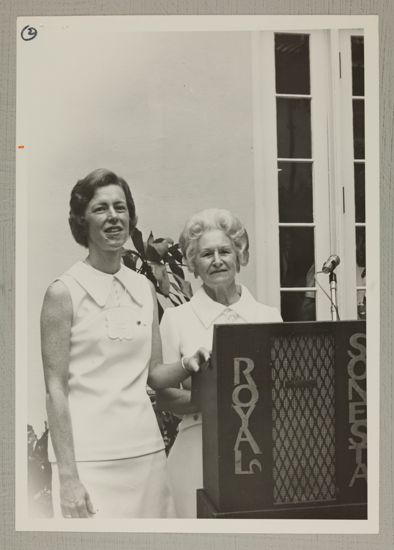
(207, 310)
(99, 284)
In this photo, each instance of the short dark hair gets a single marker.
(83, 192)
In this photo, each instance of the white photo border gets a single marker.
(180, 23)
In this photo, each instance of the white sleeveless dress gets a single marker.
(118, 445)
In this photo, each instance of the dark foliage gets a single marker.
(39, 474)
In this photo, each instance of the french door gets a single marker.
(308, 98)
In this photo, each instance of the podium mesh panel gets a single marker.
(303, 415)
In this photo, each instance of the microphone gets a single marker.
(331, 263)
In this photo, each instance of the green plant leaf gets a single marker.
(147, 271)
(175, 268)
(175, 302)
(160, 273)
(160, 310)
(174, 250)
(185, 286)
(161, 247)
(130, 259)
(138, 242)
(152, 255)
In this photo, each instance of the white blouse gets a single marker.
(189, 326)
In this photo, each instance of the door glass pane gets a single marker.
(296, 256)
(294, 128)
(358, 65)
(360, 256)
(295, 192)
(359, 191)
(361, 304)
(292, 63)
(295, 176)
(361, 272)
(358, 128)
(298, 306)
(357, 49)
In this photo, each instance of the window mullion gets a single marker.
(319, 56)
(346, 216)
(265, 168)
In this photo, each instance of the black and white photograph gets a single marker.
(197, 283)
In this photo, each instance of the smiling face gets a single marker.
(216, 260)
(107, 219)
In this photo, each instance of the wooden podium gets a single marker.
(284, 421)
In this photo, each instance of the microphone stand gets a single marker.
(328, 268)
(333, 295)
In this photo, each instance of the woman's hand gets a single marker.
(172, 374)
(197, 362)
(75, 500)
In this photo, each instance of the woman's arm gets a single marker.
(56, 318)
(175, 400)
(172, 374)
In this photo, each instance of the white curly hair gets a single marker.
(207, 220)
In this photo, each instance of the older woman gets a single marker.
(215, 245)
(100, 346)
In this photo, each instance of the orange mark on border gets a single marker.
(21, 146)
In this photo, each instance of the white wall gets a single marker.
(170, 112)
